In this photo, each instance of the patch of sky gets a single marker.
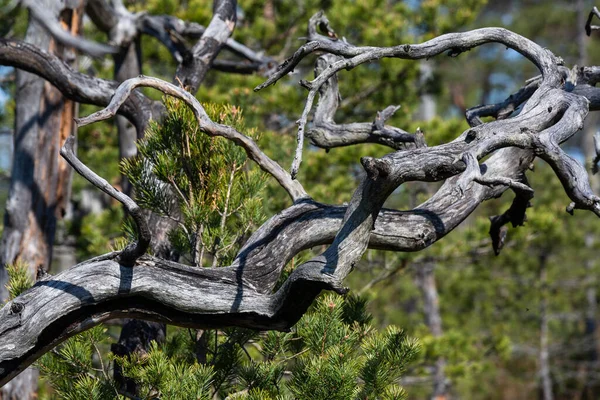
(3, 95)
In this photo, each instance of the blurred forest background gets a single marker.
(490, 327)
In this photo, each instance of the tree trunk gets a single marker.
(40, 181)
(425, 278)
(128, 64)
(544, 360)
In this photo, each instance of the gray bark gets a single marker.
(128, 64)
(193, 69)
(131, 285)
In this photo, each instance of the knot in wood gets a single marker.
(16, 307)
(375, 167)
(471, 135)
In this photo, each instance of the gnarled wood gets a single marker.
(245, 294)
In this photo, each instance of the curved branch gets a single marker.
(588, 25)
(40, 14)
(135, 250)
(172, 31)
(325, 133)
(242, 294)
(155, 289)
(455, 43)
(74, 85)
(504, 109)
(293, 187)
(89, 293)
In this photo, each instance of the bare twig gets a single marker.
(504, 109)
(454, 43)
(74, 85)
(588, 25)
(135, 250)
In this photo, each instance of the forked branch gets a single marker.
(244, 294)
(353, 56)
(327, 134)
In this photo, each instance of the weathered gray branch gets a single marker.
(325, 133)
(588, 25)
(504, 109)
(243, 293)
(135, 250)
(454, 43)
(293, 187)
(192, 69)
(124, 26)
(40, 13)
(74, 85)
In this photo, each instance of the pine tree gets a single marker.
(206, 185)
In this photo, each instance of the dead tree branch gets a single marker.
(135, 250)
(243, 294)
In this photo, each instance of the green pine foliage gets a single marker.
(203, 183)
(19, 279)
(76, 370)
(332, 353)
(341, 349)
(206, 185)
(160, 373)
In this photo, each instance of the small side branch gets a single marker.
(326, 133)
(504, 109)
(173, 32)
(588, 25)
(472, 173)
(74, 85)
(135, 250)
(315, 42)
(515, 214)
(353, 56)
(597, 151)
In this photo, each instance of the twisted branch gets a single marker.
(454, 43)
